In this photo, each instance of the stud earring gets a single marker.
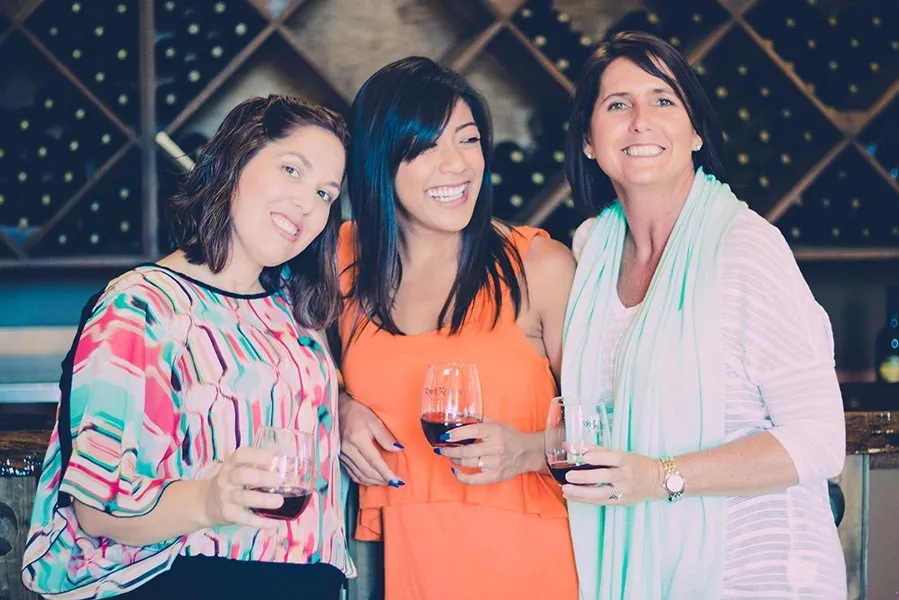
(698, 147)
(589, 155)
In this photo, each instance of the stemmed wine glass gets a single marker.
(573, 425)
(451, 398)
(294, 462)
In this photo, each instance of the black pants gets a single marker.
(196, 577)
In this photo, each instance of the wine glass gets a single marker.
(294, 462)
(573, 425)
(451, 398)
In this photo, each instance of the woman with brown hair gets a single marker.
(146, 486)
(689, 311)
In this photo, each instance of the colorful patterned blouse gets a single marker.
(171, 375)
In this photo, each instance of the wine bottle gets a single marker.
(169, 50)
(509, 170)
(886, 349)
(50, 102)
(532, 16)
(553, 129)
(563, 222)
(881, 142)
(166, 14)
(561, 41)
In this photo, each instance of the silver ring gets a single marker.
(616, 493)
(480, 463)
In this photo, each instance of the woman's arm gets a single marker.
(549, 268)
(362, 436)
(783, 341)
(755, 464)
(504, 451)
(180, 511)
(187, 506)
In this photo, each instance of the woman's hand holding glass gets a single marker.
(630, 476)
(578, 430)
(294, 462)
(228, 497)
(261, 486)
(452, 418)
(498, 451)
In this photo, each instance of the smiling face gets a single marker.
(284, 195)
(640, 133)
(438, 188)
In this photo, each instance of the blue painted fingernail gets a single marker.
(395, 483)
(453, 470)
(436, 450)
(399, 445)
(444, 437)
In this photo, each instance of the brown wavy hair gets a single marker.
(200, 213)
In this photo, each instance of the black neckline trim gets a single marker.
(211, 288)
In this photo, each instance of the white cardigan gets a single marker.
(780, 377)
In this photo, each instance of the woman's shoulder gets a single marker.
(754, 242)
(535, 246)
(546, 261)
(149, 288)
(548, 258)
(756, 258)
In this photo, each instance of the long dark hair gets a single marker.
(200, 213)
(399, 113)
(646, 51)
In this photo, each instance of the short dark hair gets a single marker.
(644, 50)
(200, 213)
(398, 114)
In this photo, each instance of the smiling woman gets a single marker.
(260, 198)
(430, 277)
(150, 485)
(437, 190)
(689, 311)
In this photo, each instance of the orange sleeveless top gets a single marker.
(386, 373)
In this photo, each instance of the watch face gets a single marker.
(674, 483)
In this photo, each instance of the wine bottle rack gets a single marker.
(847, 205)
(137, 85)
(771, 132)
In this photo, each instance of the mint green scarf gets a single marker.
(668, 400)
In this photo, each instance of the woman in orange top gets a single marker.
(429, 277)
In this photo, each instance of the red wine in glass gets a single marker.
(293, 461)
(574, 424)
(435, 424)
(451, 398)
(560, 468)
(295, 502)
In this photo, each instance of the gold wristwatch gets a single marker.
(674, 483)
